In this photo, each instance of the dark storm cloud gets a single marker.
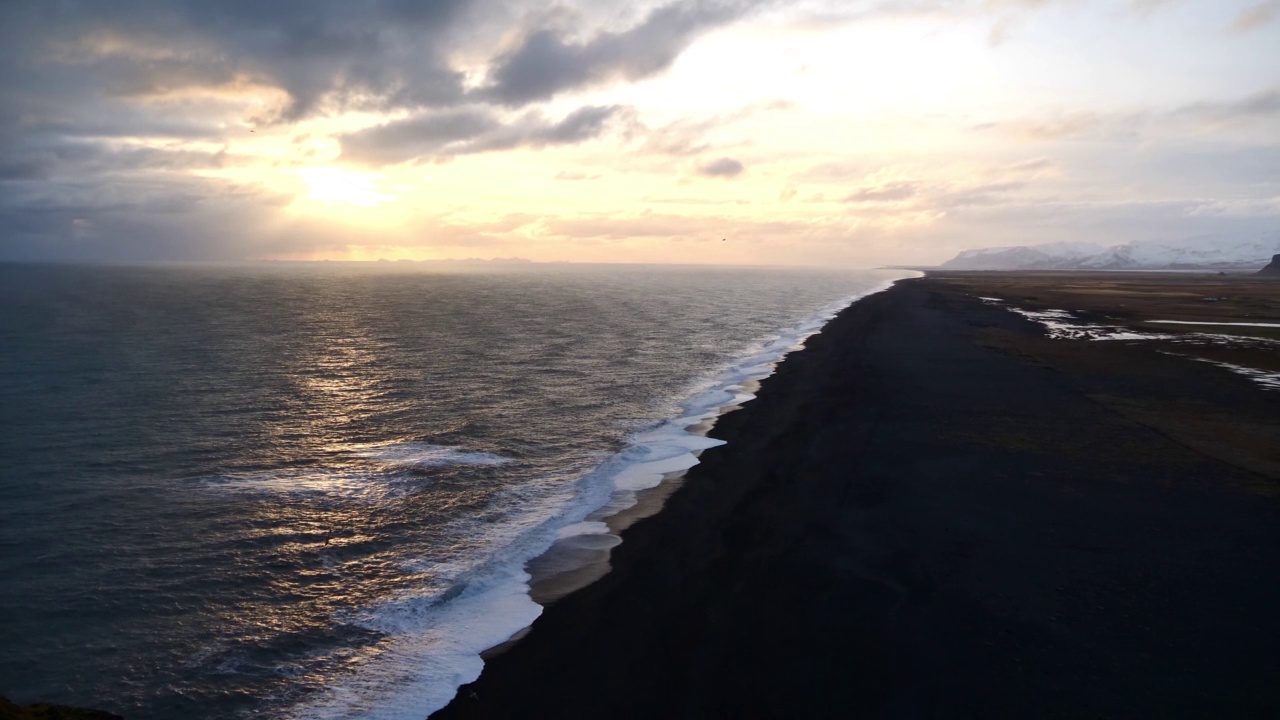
(414, 137)
(61, 159)
(378, 54)
(80, 79)
(469, 131)
(723, 167)
(195, 219)
(77, 141)
(545, 63)
(306, 48)
(39, 159)
(81, 68)
(373, 54)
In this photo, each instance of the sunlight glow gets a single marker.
(336, 186)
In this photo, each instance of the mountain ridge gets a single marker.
(1201, 252)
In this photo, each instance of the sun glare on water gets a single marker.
(335, 186)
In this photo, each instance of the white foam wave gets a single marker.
(436, 637)
(425, 455)
(1267, 379)
(1232, 324)
(436, 649)
(586, 527)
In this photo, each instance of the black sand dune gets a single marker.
(933, 511)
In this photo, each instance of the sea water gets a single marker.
(312, 490)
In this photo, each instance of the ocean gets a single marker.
(314, 490)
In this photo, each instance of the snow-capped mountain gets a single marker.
(1023, 257)
(1206, 251)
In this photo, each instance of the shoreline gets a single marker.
(575, 561)
(911, 519)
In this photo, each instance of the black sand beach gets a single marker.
(935, 511)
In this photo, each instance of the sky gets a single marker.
(700, 131)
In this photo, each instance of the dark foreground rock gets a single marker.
(41, 711)
(1272, 268)
(932, 512)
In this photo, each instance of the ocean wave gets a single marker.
(425, 455)
(438, 635)
(437, 649)
(377, 475)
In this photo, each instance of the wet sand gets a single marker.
(934, 510)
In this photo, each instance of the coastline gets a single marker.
(570, 548)
(641, 488)
(912, 519)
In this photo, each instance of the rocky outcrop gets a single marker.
(1273, 269)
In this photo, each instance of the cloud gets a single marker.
(689, 136)
(468, 131)
(189, 219)
(545, 63)
(135, 92)
(1262, 107)
(724, 167)
(999, 32)
(109, 111)
(994, 193)
(364, 52)
(1256, 16)
(1147, 7)
(1069, 126)
(683, 137)
(819, 16)
(1265, 104)
(1034, 165)
(656, 225)
(889, 192)
(574, 176)
(1247, 208)
(834, 171)
(913, 197)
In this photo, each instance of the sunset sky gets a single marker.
(828, 133)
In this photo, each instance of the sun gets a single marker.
(335, 186)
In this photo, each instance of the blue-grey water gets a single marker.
(310, 490)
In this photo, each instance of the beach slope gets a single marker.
(933, 510)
